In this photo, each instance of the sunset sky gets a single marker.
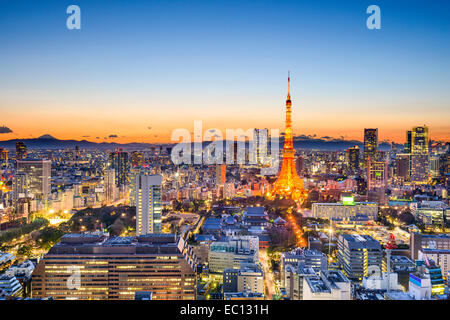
(140, 69)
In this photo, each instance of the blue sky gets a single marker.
(136, 64)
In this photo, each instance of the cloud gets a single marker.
(113, 136)
(4, 129)
(86, 136)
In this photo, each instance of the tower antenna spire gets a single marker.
(289, 85)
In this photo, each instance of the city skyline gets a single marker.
(130, 73)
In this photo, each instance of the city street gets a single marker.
(269, 283)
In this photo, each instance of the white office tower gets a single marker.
(110, 186)
(39, 177)
(148, 204)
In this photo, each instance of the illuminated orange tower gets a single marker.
(289, 184)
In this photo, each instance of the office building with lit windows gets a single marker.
(347, 210)
(261, 141)
(358, 255)
(148, 203)
(38, 173)
(420, 157)
(370, 144)
(419, 140)
(21, 150)
(95, 266)
(119, 161)
(352, 157)
(403, 167)
(376, 175)
(232, 252)
(419, 241)
(248, 278)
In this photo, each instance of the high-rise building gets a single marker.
(221, 174)
(407, 147)
(376, 174)
(148, 204)
(110, 186)
(39, 176)
(261, 141)
(420, 158)
(118, 160)
(420, 168)
(370, 144)
(21, 150)
(289, 184)
(20, 186)
(403, 167)
(352, 155)
(358, 254)
(97, 267)
(419, 140)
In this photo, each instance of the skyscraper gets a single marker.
(20, 185)
(118, 160)
(289, 183)
(420, 161)
(370, 144)
(261, 140)
(21, 150)
(148, 204)
(110, 185)
(403, 167)
(407, 147)
(376, 174)
(39, 176)
(353, 160)
(419, 140)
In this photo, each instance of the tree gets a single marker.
(25, 250)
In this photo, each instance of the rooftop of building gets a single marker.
(317, 285)
(434, 236)
(342, 204)
(301, 252)
(335, 276)
(360, 240)
(255, 211)
(102, 244)
(243, 295)
(440, 251)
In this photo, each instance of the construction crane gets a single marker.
(389, 246)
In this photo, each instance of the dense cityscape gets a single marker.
(126, 224)
(224, 159)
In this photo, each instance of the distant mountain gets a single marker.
(301, 142)
(47, 136)
(49, 142)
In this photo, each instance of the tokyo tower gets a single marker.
(289, 184)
